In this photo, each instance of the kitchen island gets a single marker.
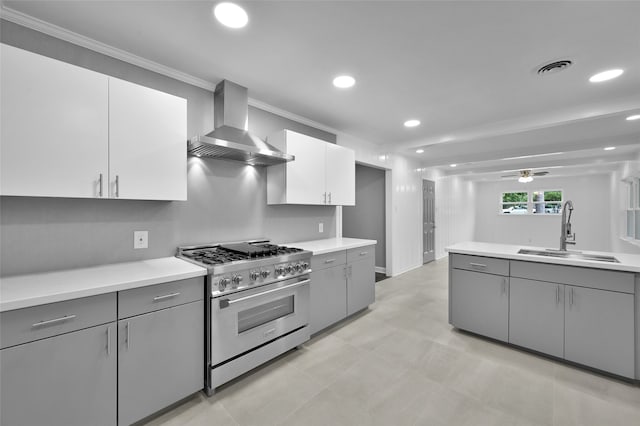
(586, 312)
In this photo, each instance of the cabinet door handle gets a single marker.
(100, 185)
(128, 327)
(350, 271)
(53, 321)
(478, 265)
(504, 286)
(108, 341)
(166, 296)
(557, 294)
(329, 198)
(325, 198)
(117, 186)
(364, 253)
(571, 298)
(329, 261)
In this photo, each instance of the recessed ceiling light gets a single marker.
(633, 117)
(453, 165)
(419, 151)
(230, 15)
(344, 81)
(606, 75)
(411, 123)
(610, 148)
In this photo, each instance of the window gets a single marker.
(515, 202)
(633, 208)
(535, 202)
(547, 202)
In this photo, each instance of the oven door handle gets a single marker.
(224, 303)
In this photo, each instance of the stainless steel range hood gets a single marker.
(229, 140)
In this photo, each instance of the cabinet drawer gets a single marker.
(29, 324)
(328, 260)
(360, 253)
(489, 265)
(152, 298)
(574, 275)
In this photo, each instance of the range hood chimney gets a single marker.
(230, 140)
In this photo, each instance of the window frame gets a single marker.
(632, 209)
(530, 203)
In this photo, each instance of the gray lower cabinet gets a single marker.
(479, 302)
(65, 380)
(599, 329)
(360, 284)
(328, 297)
(536, 315)
(160, 353)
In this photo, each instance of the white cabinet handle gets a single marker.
(100, 185)
(329, 198)
(53, 321)
(166, 296)
(117, 186)
(325, 198)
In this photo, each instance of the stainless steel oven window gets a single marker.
(265, 313)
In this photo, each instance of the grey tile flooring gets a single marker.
(401, 363)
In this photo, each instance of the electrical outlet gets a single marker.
(140, 239)
(321, 227)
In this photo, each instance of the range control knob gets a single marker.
(298, 267)
(264, 273)
(237, 279)
(279, 270)
(223, 283)
(288, 269)
(255, 275)
(305, 266)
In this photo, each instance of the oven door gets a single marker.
(245, 320)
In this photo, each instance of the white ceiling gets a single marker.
(466, 69)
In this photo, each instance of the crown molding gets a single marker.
(58, 32)
(63, 34)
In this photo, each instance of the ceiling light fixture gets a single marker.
(610, 148)
(231, 15)
(344, 81)
(411, 123)
(525, 176)
(453, 165)
(419, 151)
(606, 75)
(633, 117)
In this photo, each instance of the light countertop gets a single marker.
(330, 245)
(23, 291)
(628, 262)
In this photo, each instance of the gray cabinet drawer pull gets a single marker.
(364, 253)
(53, 321)
(329, 261)
(108, 340)
(166, 296)
(478, 265)
(128, 338)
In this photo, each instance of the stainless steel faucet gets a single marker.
(566, 237)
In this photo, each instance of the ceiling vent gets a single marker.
(554, 67)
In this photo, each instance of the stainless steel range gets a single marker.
(259, 304)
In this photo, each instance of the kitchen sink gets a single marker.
(569, 255)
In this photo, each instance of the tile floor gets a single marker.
(401, 363)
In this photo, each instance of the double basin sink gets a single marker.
(570, 255)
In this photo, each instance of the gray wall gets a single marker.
(367, 218)
(226, 200)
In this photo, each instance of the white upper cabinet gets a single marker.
(321, 174)
(54, 132)
(147, 143)
(71, 132)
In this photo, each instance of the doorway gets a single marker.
(428, 220)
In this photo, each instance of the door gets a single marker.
(54, 133)
(328, 297)
(147, 143)
(340, 175)
(480, 303)
(536, 316)
(64, 380)
(428, 221)
(161, 356)
(599, 329)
